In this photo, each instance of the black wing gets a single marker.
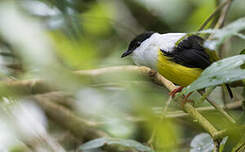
(190, 53)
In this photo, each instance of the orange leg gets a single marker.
(185, 100)
(173, 93)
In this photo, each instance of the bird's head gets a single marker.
(136, 42)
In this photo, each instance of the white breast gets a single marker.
(147, 53)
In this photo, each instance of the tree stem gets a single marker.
(213, 14)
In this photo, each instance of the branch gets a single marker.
(221, 110)
(200, 119)
(79, 127)
(193, 112)
(130, 68)
(216, 106)
(63, 114)
(82, 129)
(213, 14)
(197, 116)
(221, 20)
(159, 78)
(180, 114)
(26, 86)
(41, 86)
(66, 99)
(226, 132)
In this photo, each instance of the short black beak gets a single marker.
(126, 53)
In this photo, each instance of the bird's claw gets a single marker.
(173, 93)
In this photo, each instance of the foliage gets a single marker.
(202, 143)
(112, 141)
(219, 36)
(64, 87)
(223, 71)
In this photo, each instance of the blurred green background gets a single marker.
(89, 34)
(49, 39)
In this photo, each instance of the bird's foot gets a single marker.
(173, 93)
(186, 100)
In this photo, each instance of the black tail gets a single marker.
(229, 90)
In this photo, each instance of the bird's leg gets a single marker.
(173, 93)
(185, 100)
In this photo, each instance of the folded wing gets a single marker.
(190, 53)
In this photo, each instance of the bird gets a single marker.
(179, 57)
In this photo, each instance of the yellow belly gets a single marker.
(176, 73)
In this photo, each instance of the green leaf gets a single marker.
(202, 143)
(93, 144)
(240, 146)
(220, 35)
(220, 72)
(243, 51)
(97, 143)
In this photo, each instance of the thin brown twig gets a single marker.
(216, 106)
(219, 24)
(180, 114)
(221, 20)
(213, 14)
(221, 110)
